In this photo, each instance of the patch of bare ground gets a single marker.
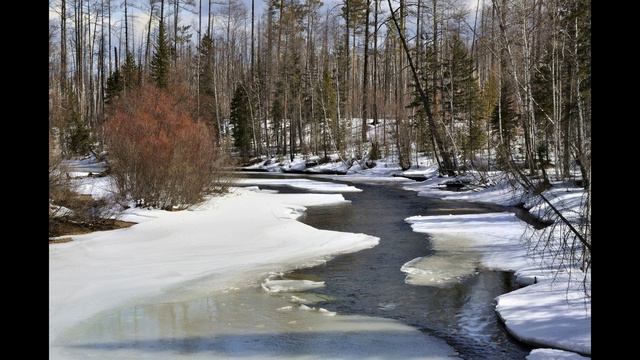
(61, 227)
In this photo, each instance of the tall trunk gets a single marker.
(446, 160)
(102, 59)
(365, 70)
(63, 46)
(228, 50)
(198, 62)
(581, 156)
(126, 29)
(109, 7)
(375, 67)
(92, 96)
(148, 47)
(252, 36)
(530, 124)
(269, 73)
(347, 59)
(403, 138)
(175, 30)
(209, 20)
(506, 49)
(277, 72)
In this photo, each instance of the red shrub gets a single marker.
(159, 155)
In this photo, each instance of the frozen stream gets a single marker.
(364, 308)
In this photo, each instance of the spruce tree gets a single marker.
(115, 85)
(240, 120)
(160, 61)
(205, 83)
(130, 72)
(504, 118)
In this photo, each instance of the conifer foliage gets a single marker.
(161, 59)
(240, 120)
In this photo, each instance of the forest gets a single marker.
(497, 83)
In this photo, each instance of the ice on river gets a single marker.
(244, 323)
(305, 184)
(275, 286)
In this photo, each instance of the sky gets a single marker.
(138, 10)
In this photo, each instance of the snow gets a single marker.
(567, 199)
(333, 166)
(553, 312)
(60, 211)
(275, 286)
(238, 236)
(442, 269)
(496, 236)
(305, 184)
(553, 354)
(550, 314)
(83, 166)
(250, 232)
(503, 193)
(553, 309)
(96, 187)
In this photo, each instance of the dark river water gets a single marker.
(370, 282)
(192, 323)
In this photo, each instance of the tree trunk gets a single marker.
(365, 99)
(424, 98)
(63, 47)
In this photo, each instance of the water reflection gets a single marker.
(458, 303)
(245, 323)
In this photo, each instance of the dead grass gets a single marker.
(62, 226)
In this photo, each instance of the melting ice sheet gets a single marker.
(454, 259)
(305, 184)
(246, 323)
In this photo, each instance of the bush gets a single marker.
(159, 155)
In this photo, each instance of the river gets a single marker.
(366, 289)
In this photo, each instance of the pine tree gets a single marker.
(504, 118)
(240, 120)
(130, 72)
(115, 85)
(461, 96)
(161, 59)
(77, 134)
(205, 80)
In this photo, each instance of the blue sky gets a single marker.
(141, 17)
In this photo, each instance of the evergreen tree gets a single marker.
(77, 134)
(130, 72)
(205, 84)
(115, 85)
(460, 95)
(161, 59)
(504, 118)
(240, 121)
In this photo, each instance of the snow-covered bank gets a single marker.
(553, 312)
(238, 236)
(381, 169)
(547, 314)
(305, 184)
(553, 354)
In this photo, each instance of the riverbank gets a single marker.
(230, 240)
(552, 310)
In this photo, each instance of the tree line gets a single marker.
(505, 83)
